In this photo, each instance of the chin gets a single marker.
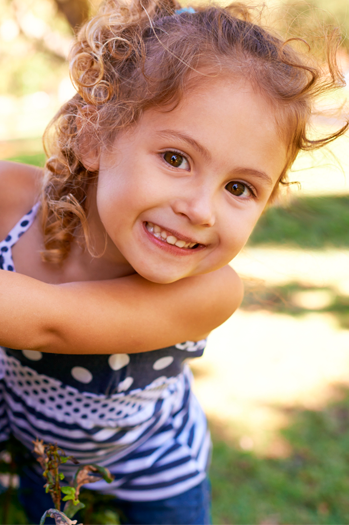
(161, 278)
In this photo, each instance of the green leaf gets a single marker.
(70, 494)
(71, 508)
(97, 471)
(104, 473)
(61, 476)
(69, 497)
(63, 459)
(68, 490)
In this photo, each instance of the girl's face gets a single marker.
(179, 193)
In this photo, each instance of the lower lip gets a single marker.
(170, 248)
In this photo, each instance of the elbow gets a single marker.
(232, 294)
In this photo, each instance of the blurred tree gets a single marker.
(35, 39)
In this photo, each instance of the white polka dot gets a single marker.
(163, 362)
(117, 361)
(159, 381)
(191, 346)
(125, 384)
(33, 355)
(81, 374)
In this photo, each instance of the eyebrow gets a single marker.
(255, 173)
(172, 134)
(186, 138)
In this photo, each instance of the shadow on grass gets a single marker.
(297, 299)
(309, 486)
(310, 222)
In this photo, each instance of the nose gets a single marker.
(197, 206)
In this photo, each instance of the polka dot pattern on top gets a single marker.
(6, 261)
(109, 374)
(51, 397)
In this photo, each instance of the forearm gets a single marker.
(26, 307)
(94, 317)
(125, 315)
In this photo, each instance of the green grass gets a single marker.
(34, 159)
(284, 300)
(310, 486)
(309, 222)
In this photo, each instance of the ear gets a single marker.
(89, 156)
(87, 145)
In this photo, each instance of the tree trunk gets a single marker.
(75, 11)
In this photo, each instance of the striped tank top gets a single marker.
(132, 413)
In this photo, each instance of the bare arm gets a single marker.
(124, 315)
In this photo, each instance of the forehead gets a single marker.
(235, 124)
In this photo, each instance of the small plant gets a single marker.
(51, 457)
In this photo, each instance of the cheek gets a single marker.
(237, 231)
(242, 224)
(108, 204)
(113, 189)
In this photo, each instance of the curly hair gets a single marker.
(140, 55)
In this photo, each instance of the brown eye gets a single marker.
(176, 160)
(238, 189)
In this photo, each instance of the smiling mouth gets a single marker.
(169, 238)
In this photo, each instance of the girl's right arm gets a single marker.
(126, 315)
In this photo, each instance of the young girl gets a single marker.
(184, 124)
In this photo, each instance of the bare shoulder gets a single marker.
(19, 190)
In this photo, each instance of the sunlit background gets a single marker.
(274, 380)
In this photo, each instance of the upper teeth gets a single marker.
(168, 237)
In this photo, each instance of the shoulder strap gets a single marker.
(21, 227)
(6, 261)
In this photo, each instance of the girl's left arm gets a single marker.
(126, 315)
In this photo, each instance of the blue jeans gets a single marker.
(189, 508)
